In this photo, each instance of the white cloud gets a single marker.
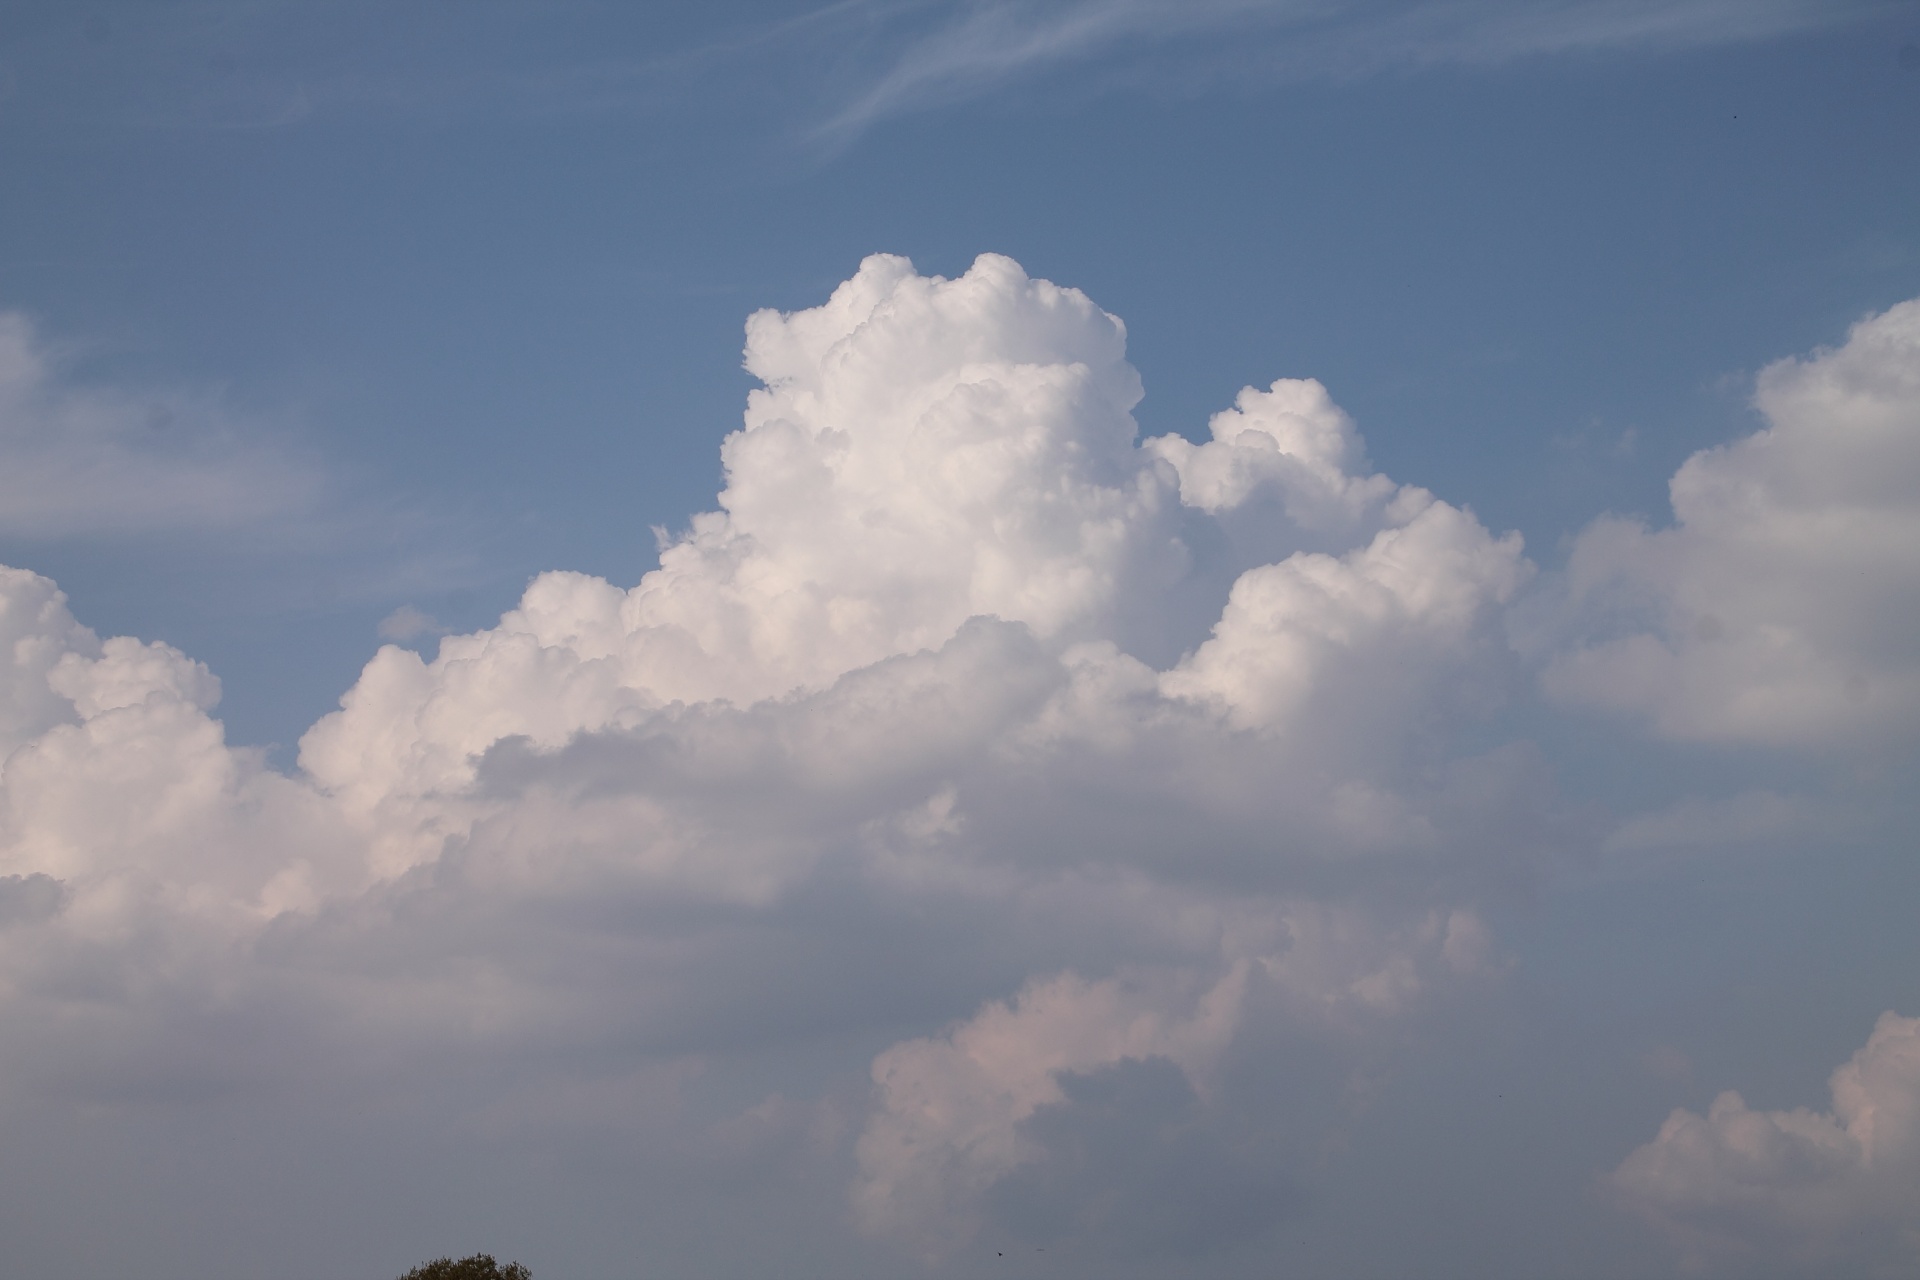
(995, 758)
(902, 683)
(1290, 444)
(1756, 1191)
(120, 782)
(36, 632)
(926, 451)
(923, 452)
(1016, 766)
(1022, 762)
(1420, 595)
(1778, 607)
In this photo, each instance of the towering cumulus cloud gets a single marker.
(907, 722)
(120, 787)
(962, 816)
(908, 650)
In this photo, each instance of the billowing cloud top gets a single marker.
(1017, 760)
(1779, 607)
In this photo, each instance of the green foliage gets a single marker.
(480, 1266)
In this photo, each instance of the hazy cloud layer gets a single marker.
(86, 460)
(1032, 783)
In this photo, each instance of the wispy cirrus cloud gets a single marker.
(969, 48)
(831, 71)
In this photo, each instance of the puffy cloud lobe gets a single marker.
(893, 689)
(117, 779)
(1422, 591)
(1290, 442)
(36, 633)
(1747, 1188)
(1778, 607)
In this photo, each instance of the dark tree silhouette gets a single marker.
(480, 1266)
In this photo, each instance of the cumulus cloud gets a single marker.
(1030, 775)
(1423, 591)
(117, 781)
(1023, 770)
(1776, 608)
(85, 460)
(1803, 1190)
(927, 451)
(968, 724)
(37, 632)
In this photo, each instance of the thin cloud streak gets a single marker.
(985, 45)
(85, 462)
(830, 72)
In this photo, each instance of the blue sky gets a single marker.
(343, 321)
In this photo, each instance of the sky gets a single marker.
(950, 638)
